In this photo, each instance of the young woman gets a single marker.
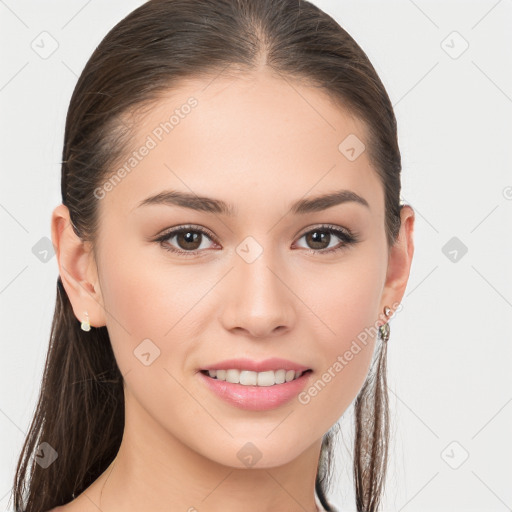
(231, 246)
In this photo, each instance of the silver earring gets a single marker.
(384, 329)
(86, 326)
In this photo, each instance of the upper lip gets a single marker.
(274, 364)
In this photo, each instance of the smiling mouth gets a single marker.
(259, 379)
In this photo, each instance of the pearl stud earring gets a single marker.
(86, 326)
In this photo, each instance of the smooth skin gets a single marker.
(258, 142)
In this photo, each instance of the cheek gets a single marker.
(346, 301)
(145, 301)
(150, 308)
(150, 298)
(346, 296)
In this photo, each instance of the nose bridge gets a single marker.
(259, 301)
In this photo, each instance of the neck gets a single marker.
(154, 470)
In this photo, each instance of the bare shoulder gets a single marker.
(64, 508)
(68, 507)
(84, 502)
(73, 506)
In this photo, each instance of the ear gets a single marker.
(77, 269)
(399, 264)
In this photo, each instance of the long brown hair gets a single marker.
(80, 410)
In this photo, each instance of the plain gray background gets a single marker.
(447, 68)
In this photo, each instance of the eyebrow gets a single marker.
(210, 205)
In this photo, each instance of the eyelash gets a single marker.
(348, 238)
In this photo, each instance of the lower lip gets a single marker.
(256, 398)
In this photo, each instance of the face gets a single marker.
(257, 280)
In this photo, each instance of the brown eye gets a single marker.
(188, 240)
(191, 240)
(317, 239)
(321, 239)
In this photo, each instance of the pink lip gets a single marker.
(256, 398)
(274, 364)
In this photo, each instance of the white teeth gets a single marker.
(249, 378)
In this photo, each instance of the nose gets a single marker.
(258, 299)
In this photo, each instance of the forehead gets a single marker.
(244, 137)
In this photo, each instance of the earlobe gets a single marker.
(77, 269)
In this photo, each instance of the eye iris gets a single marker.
(190, 237)
(315, 237)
